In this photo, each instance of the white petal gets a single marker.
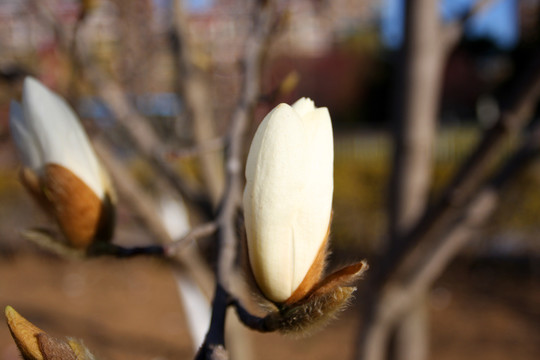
(303, 106)
(24, 139)
(288, 197)
(315, 211)
(60, 137)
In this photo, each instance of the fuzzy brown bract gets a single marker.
(330, 296)
(35, 344)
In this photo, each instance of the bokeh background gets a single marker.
(344, 54)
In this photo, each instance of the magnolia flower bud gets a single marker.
(61, 169)
(35, 344)
(287, 209)
(288, 199)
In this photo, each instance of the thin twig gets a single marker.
(194, 90)
(144, 137)
(256, 43)
(139, 201)
(477, 212)
(146, 208)
(101, 249)
(198, 232)
(111, 93)
(453, 32)
(515, 112)
(400, 294)
(251, 321)
(207, 146)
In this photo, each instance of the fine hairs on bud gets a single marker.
(321, 305)
(311, 312)
(288, 211)
(53, 348)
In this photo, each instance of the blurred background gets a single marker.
(347, 55)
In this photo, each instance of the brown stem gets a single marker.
(194, 89)
(196, 233)
(256, 43)
(515, 112)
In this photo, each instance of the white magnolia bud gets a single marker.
(63, 171)
(288, 198)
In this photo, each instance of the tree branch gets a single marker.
(259, 35)
(251, 321)
(400, 294)
(144, 136)
(143, 205)
(194, 234)
(198, 104)
(444, 227)
(211, 145)
(453, 32)
(415, 123)
(524, 94)
(147, 142)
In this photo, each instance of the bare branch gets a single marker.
(100, 249)
(415, 119)
(515, 112)
(208, 146)
(417, 98)
(139, 200)
(251, 321)
(477, 212)
(198, 104)
(399, 295)
(196, 233)
(453, 32)
(255, 46)
(146, 140)
(259, 35)
(145, 207)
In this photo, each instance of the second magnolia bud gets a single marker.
(61, 169)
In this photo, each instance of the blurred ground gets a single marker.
(129, 309)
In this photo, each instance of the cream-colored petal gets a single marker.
(60, 137)
(24, 139)
(303, 106)
(316, 198)
(288, 197)
(271, 198)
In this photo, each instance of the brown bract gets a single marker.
(76, 207)
(320, 305)
(25, 334)
(35, 344)
(316, 300)
(81, 214)
(314, 273)
(56, 349)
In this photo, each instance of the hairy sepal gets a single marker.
(311, 313)
(24, 334)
